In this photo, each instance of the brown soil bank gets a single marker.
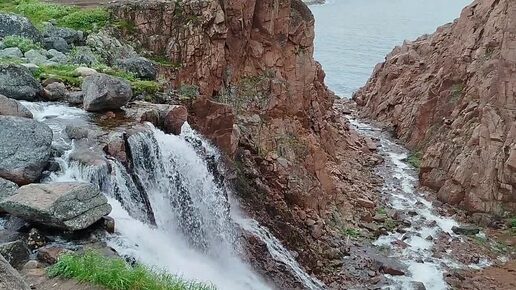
(452, 96)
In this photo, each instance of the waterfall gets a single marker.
(170, 204)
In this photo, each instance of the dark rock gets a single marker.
(139, 66)
(7, 188)
(70, 206)
(9, 277)
(57, 43)
(103, 92)
(17, 82)
(75, 98)
(11, 24)
(417, 285)
(109, 224)
(16, 253)
(71, 36)
(465, 230)
(24, 149)
(11, 107)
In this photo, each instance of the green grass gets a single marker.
(63, 73)
(39, 12)
(414, 159)
(116, 274)
(23, 43)
(350, 232)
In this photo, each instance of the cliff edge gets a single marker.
(451, 97)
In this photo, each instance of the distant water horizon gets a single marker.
(352, 36)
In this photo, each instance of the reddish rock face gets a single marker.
(451, 95)
(264, 103)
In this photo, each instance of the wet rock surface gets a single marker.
(24, 148)
(68, 206)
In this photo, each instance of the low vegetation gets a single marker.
(414, 159)
(116, 274)
(23, 43)
(62, 73)
(39, 12)
(351, 232)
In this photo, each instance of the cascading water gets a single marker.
(170, 205)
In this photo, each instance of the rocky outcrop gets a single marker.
(24, 149)
(69, 206)
(11, 107)
(10, 278)
(104, 92)
(298, 165)
(11, 24)
(139, 66)
(450, 96)
(17, 82)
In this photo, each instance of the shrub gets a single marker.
(350, 232)
(188, 92)
(414, 159)
(116, 274)
(23, 43)
(145, 87)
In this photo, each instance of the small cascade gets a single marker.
(170, 203)
(400, 189)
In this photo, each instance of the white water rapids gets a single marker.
(195, 231)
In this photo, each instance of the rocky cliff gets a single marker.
(299, 168)
(451, 97)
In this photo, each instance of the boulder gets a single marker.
(139, 66)
(174, 119)
(465, 230)
(11, 24)
(71, 36)
(84, 71)
(11, 107)
(110, 48)
(50, 255)
(104, 92)
(75, 98)
(57, 43)
(11, 52)
(76, 132)
(68, 205)
(82, 55)
(36, 57)
(24, 148)
(17, 82)
(57, 56)
(16, 253)
(55, 91)
(9, 277)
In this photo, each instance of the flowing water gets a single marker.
(352, 36)
(171, 207)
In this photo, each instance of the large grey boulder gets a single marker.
(139, 66)
(10, 278)
(57, 43)
(11, 52)
(24, 148)
(36, 57)
(67, 205)
(71, 36)
(11, 107)
(11, 24)
(17, 82)
(104, 92)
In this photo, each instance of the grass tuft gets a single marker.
(39, 12)
(116, 274)
(414, 159)
(63, 73)
(23, 43)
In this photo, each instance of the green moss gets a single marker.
(390, 224)
(116, 274)
(39, 12)
(63, 73)
(188, 92)
(350, 232)
(145, 87)
(126, 26)
(414, 159)
(23, 43)
(164, 62)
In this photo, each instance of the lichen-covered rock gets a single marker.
(10, 278)
(11, 24)
(57, 43)
(110, 48)
(139, 66)
(36, 57)
(104, 92)
(70, 206)
(7, 188)
(24, 148)
(11, 52)
(450, 95)
(83, 55)
(17, 82)
(71, 36)
(11, 107)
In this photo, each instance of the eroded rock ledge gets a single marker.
(450, 96)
